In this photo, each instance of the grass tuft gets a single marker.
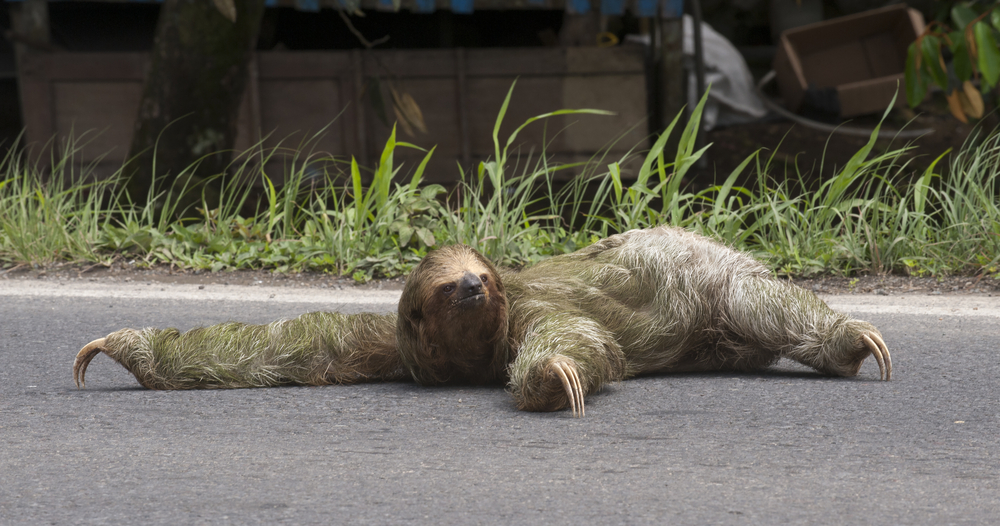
(332, 215)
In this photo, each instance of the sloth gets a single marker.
(662, 300)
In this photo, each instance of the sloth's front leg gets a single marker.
(565, 371)
(551, 387)
(313, 349)
(563, 358)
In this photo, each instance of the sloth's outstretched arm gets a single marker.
(783, 318)
(314, 349)
(563, 358)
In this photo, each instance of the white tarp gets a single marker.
(732, 99)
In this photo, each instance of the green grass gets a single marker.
(873, 216)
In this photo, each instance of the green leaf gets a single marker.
(962, 15)
(961, 60)
(496, 125)
(923, 184)
(995, 17)
(405, 234)
(431, 191)
(384, 173)
(916, 84)
(426, 236)
(656, 151)
(272, 204)
(728, 184)
(930, 47)
(419, 173)
(690, 133)
(616, 180)
(360, 203)
(989, 55)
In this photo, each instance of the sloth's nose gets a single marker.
(470, 285)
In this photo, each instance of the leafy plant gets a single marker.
(952, 56)
(326, 214)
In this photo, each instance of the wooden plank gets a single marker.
(248, 118)
(507, 62)
(671, 73)
(301, 93)
(92, 66)
(36, 100)
(304, 64)
(436, 97)
(625, 95)
(414, 63)
(98, 116)
(302, 113)
(361, 116)
(462, 102)
(302, 118)
(605, 61)
(532, 96)
(351, 99)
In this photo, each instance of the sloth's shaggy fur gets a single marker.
(647, 301)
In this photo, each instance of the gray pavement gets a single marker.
(782, 446)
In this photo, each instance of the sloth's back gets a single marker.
(658, 291)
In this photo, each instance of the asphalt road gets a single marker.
(782, 446)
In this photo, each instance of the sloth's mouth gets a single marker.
(471, 300)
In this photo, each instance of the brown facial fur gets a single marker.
(448, 334)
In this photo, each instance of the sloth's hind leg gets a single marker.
(774, 316)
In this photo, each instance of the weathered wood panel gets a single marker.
(293, 112)
(99, 114)
(92, 98)
(316, 98)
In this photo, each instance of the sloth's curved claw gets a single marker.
(571, 383)
(878, 349)
(83, 359)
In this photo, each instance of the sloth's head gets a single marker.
(453, 319)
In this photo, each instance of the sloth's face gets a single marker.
(466, 292)
(460, 302)
(461, 316)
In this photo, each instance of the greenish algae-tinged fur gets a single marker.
(662, 300)
(313, 349)
(665, 300)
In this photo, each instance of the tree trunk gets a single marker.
(191, 97)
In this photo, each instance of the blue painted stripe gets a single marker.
(646, 8)
(612, 7)
(307, 5)
(577, 7)
(641, 8)
(462, 7)
(424, 6)
(673, 8)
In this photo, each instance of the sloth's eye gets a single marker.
(448, 289)
(484, 278)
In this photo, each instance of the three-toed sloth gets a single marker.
(661, 300)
